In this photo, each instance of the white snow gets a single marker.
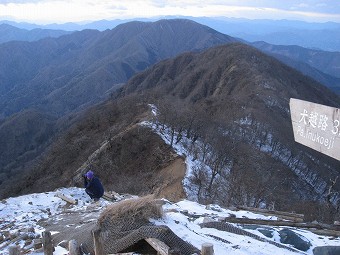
(24, 212)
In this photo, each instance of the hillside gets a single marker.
(62, 76)
(12, 33)
(246, 93)
(28, 131)
(320, 65)
(72, 71)
(229, 106)
(327, 62)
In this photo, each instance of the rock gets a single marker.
(28, 230)
(25, 236)
(37, 244)
(28, 242)
(171, 210)
(326, 250)
(31, 230)
(222, 219)
(6, 234)
(207, 219)
(288, 236)
(214, 207)
(266, 232)
(185, 212)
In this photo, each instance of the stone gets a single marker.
(266, 232)
(288, 236)
(326, 250)
(207, 219)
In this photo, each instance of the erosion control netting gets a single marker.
(68, 226)
(223, 226)
(121, 225)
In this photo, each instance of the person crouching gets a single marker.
(93, 186)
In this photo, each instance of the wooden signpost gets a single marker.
(316, 126)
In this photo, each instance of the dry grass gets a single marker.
(142, 208)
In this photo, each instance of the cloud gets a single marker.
(52, 11)
(23, 1)
(60, 11)
(303, 5)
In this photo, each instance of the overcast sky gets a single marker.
(61, 11)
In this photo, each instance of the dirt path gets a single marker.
(171, 179)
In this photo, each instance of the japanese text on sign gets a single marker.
(316, 126)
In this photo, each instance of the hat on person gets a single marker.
(89, 174)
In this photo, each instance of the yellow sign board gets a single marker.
(316, 126)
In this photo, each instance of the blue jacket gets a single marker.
(94, 186)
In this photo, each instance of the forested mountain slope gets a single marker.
(62, 74)
(54, 77)
(231, 105)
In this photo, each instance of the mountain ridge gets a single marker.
(81, 56)
(220, 98)
(247, 101)
(311, 35)
(188, 57)
(84, 68)
(288, 54)
(13, 33)
(327, 62)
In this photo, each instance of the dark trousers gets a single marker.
(91, 194)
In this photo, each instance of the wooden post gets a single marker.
(207, 249)
(47, 243)
(98, 248)
(13, 250)
(67, 199)
(159, 246)
(73, 248)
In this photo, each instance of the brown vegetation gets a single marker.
(135, 209)
(58, 77)
(231, 103)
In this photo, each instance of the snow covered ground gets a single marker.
(24, 212)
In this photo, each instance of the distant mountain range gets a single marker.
(323, 36)
(12, 33)
(321, 65)
(61, 74)
(325, 61)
